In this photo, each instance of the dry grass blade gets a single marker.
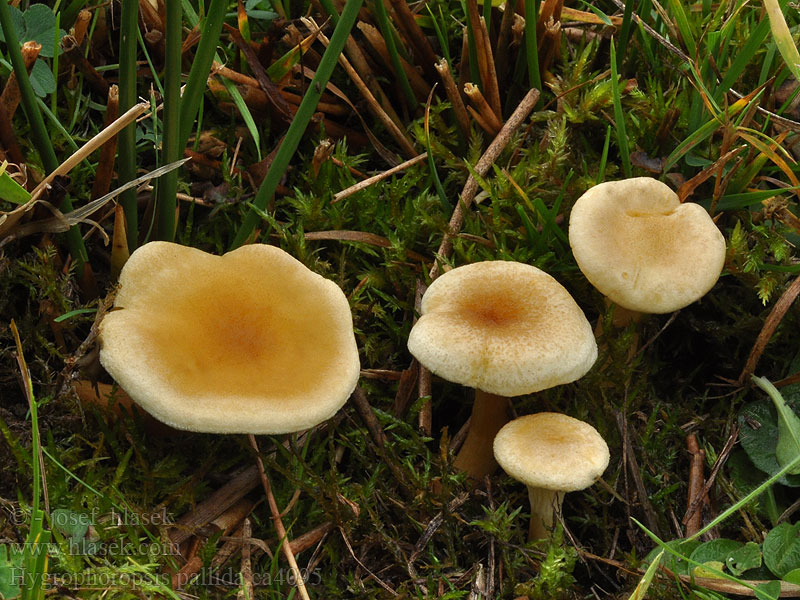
(359, 236)
(105, 164)
(93, 144)
(395, 131)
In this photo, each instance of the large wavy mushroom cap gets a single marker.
(503, 327)
(248, 342)
(643, 249)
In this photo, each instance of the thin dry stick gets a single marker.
(451, 89)
(276, 519)
(481, 168)
(501, 59)
(770, 324)
(90, 146)
(696, 483)
(416, 37)
(376, 178)
(394, 130)
(247, 569)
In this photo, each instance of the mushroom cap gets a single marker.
(248, 342)
(642, 248)
(551, 451)
(503, 327)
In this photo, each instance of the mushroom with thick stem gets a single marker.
(552, 454)
(642, 248)
(506, 329)
(248, 342)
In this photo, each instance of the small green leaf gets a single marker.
(40, 26)
(782, 549)
(758, 436)
(788, 447)
(42, 79)
(709, 569)
(744, 558)
(768, 590)
(793, 576)
(9, 573)
(11, 191)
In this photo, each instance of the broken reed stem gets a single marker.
(73, 53)
(415, 37)
(379, 177)
(11, 96)
(451, 89)
(490, 77)
(481, 168)
(405, 144)
(105, 164)
(283, 539)
(487, 115)
(501, 57)
(81, 25)
(482, 123)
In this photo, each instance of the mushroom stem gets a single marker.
(545, 504)
(489, 414)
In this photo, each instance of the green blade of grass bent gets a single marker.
(304, 113)
(783, 37)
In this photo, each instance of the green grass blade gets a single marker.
(391, 47)
(126, 139)
(168, 185)
(619, 117)
(624, 34)
(531, 44)
(201, 66)
(302, 117)
(783, 37)
(684, 28)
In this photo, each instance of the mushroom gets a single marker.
(552, 454)
(643, 249)
(506, 329)
(248, 342)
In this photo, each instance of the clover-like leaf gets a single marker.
(782, 549)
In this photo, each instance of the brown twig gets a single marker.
(376, 178)
(277, 523)
(423, 50)
(368, 416)
(696, 484)
(246, 592)
(74, 55)
(771, 323)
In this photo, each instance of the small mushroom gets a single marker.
(506, 329)
(248, 342)
(643, 249)
(552, 454)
